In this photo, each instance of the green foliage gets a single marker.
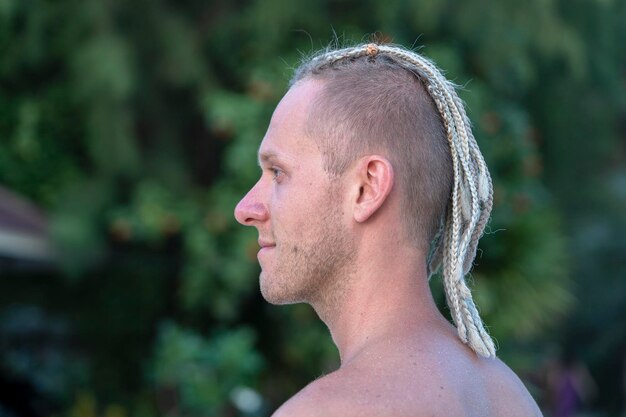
(202, 372)
(136, 125)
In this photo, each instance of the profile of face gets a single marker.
(296, 208)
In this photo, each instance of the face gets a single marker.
(297, 209)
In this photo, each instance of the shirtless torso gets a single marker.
(417, 377)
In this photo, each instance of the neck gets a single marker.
(386, 296)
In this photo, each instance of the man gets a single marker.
(371, 179)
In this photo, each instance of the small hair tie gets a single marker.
(371, 49)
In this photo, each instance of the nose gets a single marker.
(251, 209)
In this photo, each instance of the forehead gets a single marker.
(286, 135)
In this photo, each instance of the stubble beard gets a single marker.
(313, 269)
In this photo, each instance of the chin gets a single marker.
(276, 294)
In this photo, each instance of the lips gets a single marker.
(265, 248)
(266, 244)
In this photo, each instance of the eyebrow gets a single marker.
(267, 157)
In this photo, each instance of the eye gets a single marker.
(277, 173)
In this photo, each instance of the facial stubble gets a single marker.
(312, 265)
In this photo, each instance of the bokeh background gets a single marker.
(129, 131)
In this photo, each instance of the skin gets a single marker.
(338, 244)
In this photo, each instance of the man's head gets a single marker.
(366, 133)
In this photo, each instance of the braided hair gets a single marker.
(453, 247)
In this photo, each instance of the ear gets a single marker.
(374, 179)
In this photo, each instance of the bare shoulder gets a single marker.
(506, 393)
(344, 393)
(326, 396)
(491, 389)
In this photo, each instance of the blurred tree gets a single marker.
(582, 115)
(136, 125)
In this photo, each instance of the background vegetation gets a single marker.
(134, 125)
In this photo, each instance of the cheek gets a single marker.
(294, 213)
